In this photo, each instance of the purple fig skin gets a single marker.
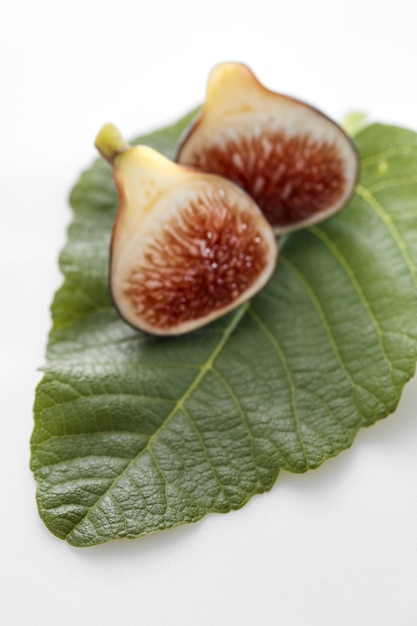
(299, 166)
(187, 247)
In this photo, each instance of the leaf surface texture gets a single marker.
(135, 433)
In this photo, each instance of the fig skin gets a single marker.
(298, 165)
(187, 247)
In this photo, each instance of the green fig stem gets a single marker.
(110, 143)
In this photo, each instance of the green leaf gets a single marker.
(135, 433)
(354, 122)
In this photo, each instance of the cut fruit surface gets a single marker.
(187, 247)
(298, 165)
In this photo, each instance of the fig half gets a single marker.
(187, 247)
(298, 165)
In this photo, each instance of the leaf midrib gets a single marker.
(179, 405)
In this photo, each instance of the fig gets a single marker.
(187, 246)
(298, 165)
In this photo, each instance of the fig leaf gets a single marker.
(135, 433)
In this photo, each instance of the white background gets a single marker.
(337, 546)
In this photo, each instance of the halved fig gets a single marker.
(298, 165)
(187, 246)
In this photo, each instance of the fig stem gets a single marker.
(110, 143)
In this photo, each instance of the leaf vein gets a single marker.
(372, 159)
(207, 366)
(206, 454)
(243, 416)
(278, 349)
(327, 328)
(342, 260)
(390, 226)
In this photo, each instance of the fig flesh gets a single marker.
(187, 247)
(298, 165)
